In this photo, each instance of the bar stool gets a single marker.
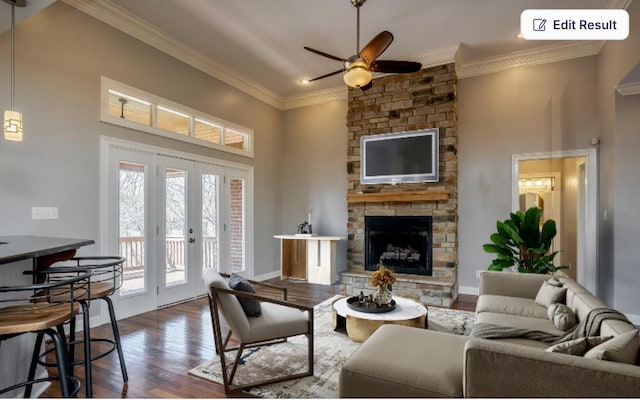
(106, 279)
(31, 309)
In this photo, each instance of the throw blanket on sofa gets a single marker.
(491, 331)
(590, 326)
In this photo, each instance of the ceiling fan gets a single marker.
(360, 66)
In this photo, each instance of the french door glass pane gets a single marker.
(176, 226)
(236, 225)
(132, 226)
(210, 221)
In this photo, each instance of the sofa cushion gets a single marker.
(578, 347)
(517, 321)
(400, 361)
(510, 305)
(550, 293)
(562, 316)
(573, 288)
(622, 348)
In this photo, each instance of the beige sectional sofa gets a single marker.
(398, 361)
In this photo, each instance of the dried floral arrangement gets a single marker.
(382, 277)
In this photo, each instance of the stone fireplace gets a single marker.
(400, 243)
(406, 102)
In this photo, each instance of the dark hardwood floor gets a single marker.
(162, 346)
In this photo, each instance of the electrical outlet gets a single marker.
(44, 212)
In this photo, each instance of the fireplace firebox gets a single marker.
(404, 244)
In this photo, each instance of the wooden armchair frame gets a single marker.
(221, 346)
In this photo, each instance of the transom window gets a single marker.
(135, 109)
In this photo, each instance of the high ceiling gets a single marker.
(262, 40)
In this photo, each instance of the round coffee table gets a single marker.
(360, 325)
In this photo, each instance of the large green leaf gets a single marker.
(531, 227)
(507, 229)
(500, 240)
(493, 248)
(548, 233)
(517, 218)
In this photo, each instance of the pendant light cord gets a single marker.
(13, 57)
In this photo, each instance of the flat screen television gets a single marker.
(399, 157)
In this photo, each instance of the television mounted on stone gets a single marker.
(410, 156)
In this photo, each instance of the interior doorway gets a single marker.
(564, 185)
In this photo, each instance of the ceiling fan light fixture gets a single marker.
(358, 75)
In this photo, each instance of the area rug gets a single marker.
(332, 349)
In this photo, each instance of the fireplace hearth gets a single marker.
(402, 243)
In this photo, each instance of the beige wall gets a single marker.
(626, 233)
(313, 171)
(615, 61)
(61, 54)
(543, 108)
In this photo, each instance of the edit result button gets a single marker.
(579, 24)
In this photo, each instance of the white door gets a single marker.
(189, 231)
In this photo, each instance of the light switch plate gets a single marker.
(44, 213)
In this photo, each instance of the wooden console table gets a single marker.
(312, 258)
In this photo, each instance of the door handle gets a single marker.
(191, 240)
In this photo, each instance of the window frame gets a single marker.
(107, 84)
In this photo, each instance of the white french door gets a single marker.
(187, 192)
(172, 217)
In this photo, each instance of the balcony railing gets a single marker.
(133, 249)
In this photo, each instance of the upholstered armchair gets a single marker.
(278, 320)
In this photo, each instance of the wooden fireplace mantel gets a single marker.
(398, 197)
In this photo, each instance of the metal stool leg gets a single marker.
(116, 337)
(62, 361)
(34, 364)
(87, 349)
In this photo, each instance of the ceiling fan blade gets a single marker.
(327, 75)
(322, 53)
(376, 46)
(396, 67)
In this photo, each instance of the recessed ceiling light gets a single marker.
(519, 35)
(304, 81)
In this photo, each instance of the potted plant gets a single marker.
(522, 243)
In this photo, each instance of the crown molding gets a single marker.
(627, 89)
(119, 18)
(526, 58)
(317, 97)
(444, 55)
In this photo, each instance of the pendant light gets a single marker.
(13, 118)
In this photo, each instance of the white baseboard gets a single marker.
(468, 290)
(268, 275)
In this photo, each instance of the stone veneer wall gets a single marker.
(406, 102)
